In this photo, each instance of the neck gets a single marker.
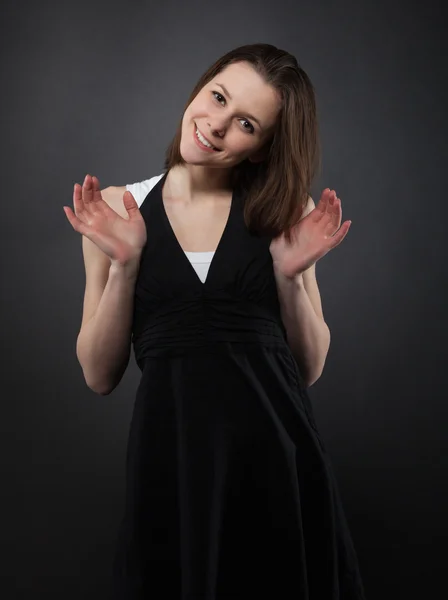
(195, 182)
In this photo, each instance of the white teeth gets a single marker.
(203, 140)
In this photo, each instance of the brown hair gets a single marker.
(276, 190)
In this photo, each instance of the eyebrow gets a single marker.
(226, 91)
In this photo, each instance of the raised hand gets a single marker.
(313, 237)
(121, 239)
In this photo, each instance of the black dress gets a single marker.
(229, 492)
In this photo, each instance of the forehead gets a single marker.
(249, 92)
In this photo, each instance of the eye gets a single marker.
(252, 128)
(216, 94)
(220, 98)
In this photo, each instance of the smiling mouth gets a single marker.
(201, 138)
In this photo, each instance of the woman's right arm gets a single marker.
(104, 342)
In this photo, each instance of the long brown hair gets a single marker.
(276, 190)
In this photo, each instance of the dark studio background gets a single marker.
(98, 88)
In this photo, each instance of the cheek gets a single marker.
(187, 115)
(243, 143)
(200, 109)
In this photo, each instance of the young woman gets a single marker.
(209, 270)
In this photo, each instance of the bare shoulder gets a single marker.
(310, 205)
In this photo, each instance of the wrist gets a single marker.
(129, 269)
(295, 280)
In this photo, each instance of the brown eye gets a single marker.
(220, 96)
(252, 128)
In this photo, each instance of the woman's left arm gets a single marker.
(318, 231)
(307, 333)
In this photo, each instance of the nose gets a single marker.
(217, 128)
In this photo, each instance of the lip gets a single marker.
(201, 146)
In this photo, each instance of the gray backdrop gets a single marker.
(98, 88)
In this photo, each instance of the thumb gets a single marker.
(130, 204)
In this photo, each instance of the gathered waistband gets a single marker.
(185, 326)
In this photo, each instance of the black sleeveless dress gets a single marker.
(230, 494)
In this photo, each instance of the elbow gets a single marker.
(308, 374)
(100, 383)
(309, 381)
(313, 375)
(104, 384)
(102, 388)
(102, 372)
(310, 378)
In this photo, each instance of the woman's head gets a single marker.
(236, 111)
(257, 107)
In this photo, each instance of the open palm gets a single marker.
(313, 237)
(120, 239)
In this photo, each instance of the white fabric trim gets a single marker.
(142, 188)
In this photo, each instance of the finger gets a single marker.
(333, 212)
(325, 199)
(337, 238)
(331, 202)
(76, 223)
(96, 192)
(321, 206)
(87, 190)
(131, 205)
(331, 219)
(329, 206)
(336, 215)
(78, 203)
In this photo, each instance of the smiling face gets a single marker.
(236, 112)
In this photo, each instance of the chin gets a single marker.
(191, 157)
